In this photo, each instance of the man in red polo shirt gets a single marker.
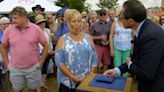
(100, 34)
(24, 63)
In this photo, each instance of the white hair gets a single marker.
(4, 20)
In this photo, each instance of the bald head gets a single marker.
(111, 14)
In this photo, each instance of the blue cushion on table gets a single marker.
(116, 83)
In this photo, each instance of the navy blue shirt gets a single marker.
(99, 29)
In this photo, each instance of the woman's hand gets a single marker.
(77, 79)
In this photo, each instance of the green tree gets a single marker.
(108, 4)
(73, 4)
(162, 5)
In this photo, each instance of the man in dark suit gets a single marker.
(147, 62)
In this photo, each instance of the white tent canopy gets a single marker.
(7, 5)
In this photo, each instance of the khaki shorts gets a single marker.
(31, 75)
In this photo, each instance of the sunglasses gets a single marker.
(84, 16)
(162, 19)
(102, 14)
(41, 22)
(49, 17)
(121, 18)
(38, 9)
(5, 23)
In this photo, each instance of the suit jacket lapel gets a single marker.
(136, 53)
(142, 28)
(135, 49)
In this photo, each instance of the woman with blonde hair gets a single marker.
(75, 55)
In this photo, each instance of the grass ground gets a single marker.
(51, 82)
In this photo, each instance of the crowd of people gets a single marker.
(78, 44)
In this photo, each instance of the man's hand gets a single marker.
(106, 43)
(5, 63)
(112, 53)
(51, 52)
(103, 37)
(40, 63)
(110, 73)
(128, 59)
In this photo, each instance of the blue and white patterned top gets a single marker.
(78, 56)
(122, 37)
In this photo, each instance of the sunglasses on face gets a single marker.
(41, 22)
(162, 19)
(121, 18)
(5, 23)
(38, 10)
(49, 17)
(102, 14)
(84, 16)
